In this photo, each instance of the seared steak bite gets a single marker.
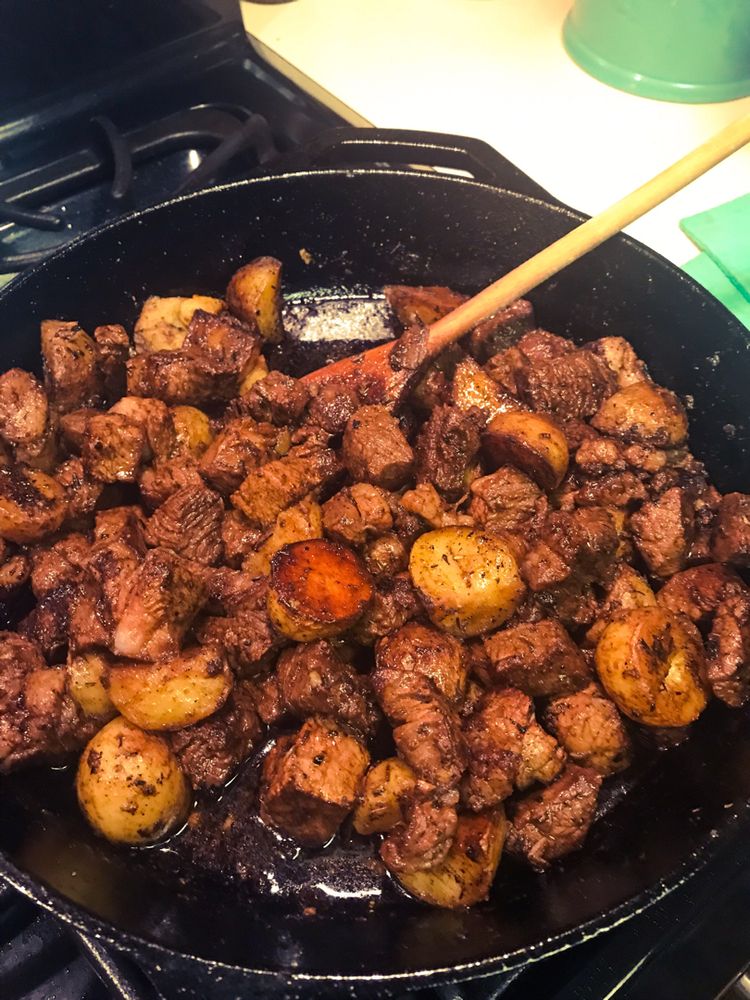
(240, 447)
(728, 650)
(310, 781)
(555, 821)
(69, 357)
(423, 840)
(697, 592)
(506, 500)
(447, 447)
(374, 449)
(539, 659)
(730, 541)
(357, 514)
(113, 448)
(663, 531)
(189, 523)
(162, 479)
(572, 385)
(278, 399)
(24, 410)
(591, 729)
(278, 484)
(331, 406)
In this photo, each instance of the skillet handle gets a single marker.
(349, 146)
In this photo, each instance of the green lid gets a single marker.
(692, 51)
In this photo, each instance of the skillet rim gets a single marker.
(88, 923)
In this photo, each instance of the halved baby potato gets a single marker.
(254, 295)
(302, 521)
(32, 504)
(468, 580)
(163, 321)
(318, 589)
(652, 665)
(192, 429)
(465, 877)
(130, 786)
(643, 412)
(87, 683)
(530, 442)
(386, 787)
(172, 693)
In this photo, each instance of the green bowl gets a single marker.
(692, 51)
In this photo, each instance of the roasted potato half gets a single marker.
(652, 665)
(172, 693)
(163, 321)
(32, 504)
(295, 524)
(192, 429)
(130, 787)
(468, 580)
(643, 412)
(318, 589)
(88, 685)
(256, 373)
(254, 295)
(465, 877)
(472, 386)
(530, 442)
(386, 787)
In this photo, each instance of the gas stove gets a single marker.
(120, 107)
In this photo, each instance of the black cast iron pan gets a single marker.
(363, 227)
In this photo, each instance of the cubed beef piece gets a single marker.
(621, 358)
(590, 729)
(278, 484)
(310, 781)
(189, 523)
(112, 352)
(555, 821)
(427, 505)
(24, 410)
(374, 449)
(506, 500)
(663, 531)
(123, 524)
(730, 541)
(155, 417)
(494, 735)
(48, 625)
(239, 538)
(394, 602)
(81, 490)
(541, 345)
(728, 651)
(386, 556)
(619, 489)
(426, 836)
(573, 385)
(230, 346)
(697, 592)
(579, 544)
(447, 447)
(505, 368)
(278, 399)
(113, 448)
(331, 406)
(501, 330)
(69, 357)
(422, 649)
(539, 659)
(357, 514)
(160, 481)
(421, 305)
(55, 563)
(236, 451)
(244, 631)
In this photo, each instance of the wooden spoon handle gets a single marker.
(585, 237)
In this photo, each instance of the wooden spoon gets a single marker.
(384, 376)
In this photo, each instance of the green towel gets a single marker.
(714, 280)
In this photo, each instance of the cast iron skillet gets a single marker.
(365, 227)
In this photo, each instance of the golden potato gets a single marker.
(468, 580)
(256, 373)
(387, 784)
(530, 442)
(652, 665)
(472, 386)
(295, 524)
(163, 321)
(465, 877)
(172, 693)
(192, 429)
(87, 683)
(421, 305)
(130, 786)
(254, 295)
(32, 504)
(318, 589)
(643, 412)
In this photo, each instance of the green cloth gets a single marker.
(714, 280)
(724, 234)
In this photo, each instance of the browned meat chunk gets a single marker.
(280, 483)
(697, 592)
(423, 840)
(506, 500)
(211, 751)
(728, 651)
(421, 305)
(24, 411)
(541, 345)
(230, 346)
(238, 537)
(394, 603)
(102, 592)
(494, 735)
(56, 563)
(314, 680)
(48, 625)
(501, 329)
(447, 447)
(161, 480)
(730, 541)
(113, 448)
(155, 417)
(375, 450)
(81, 490)
(621, 358)
(123, 524)
(332, 404)
(357, 514)
(311, 781)
(112, 352)
(620, 489)
(590, 729)
(386, 556)
(277, 399)
(573, 385)
(578, 544)
(427, 729)
(69, 357)
(163, 598)
(542, 758)
(427, 505)
(663, 531)
(236, 451)
(38, 718)
(189, 523)
(555, 821)
(245, 632)
(539, 659)
(416, 648)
